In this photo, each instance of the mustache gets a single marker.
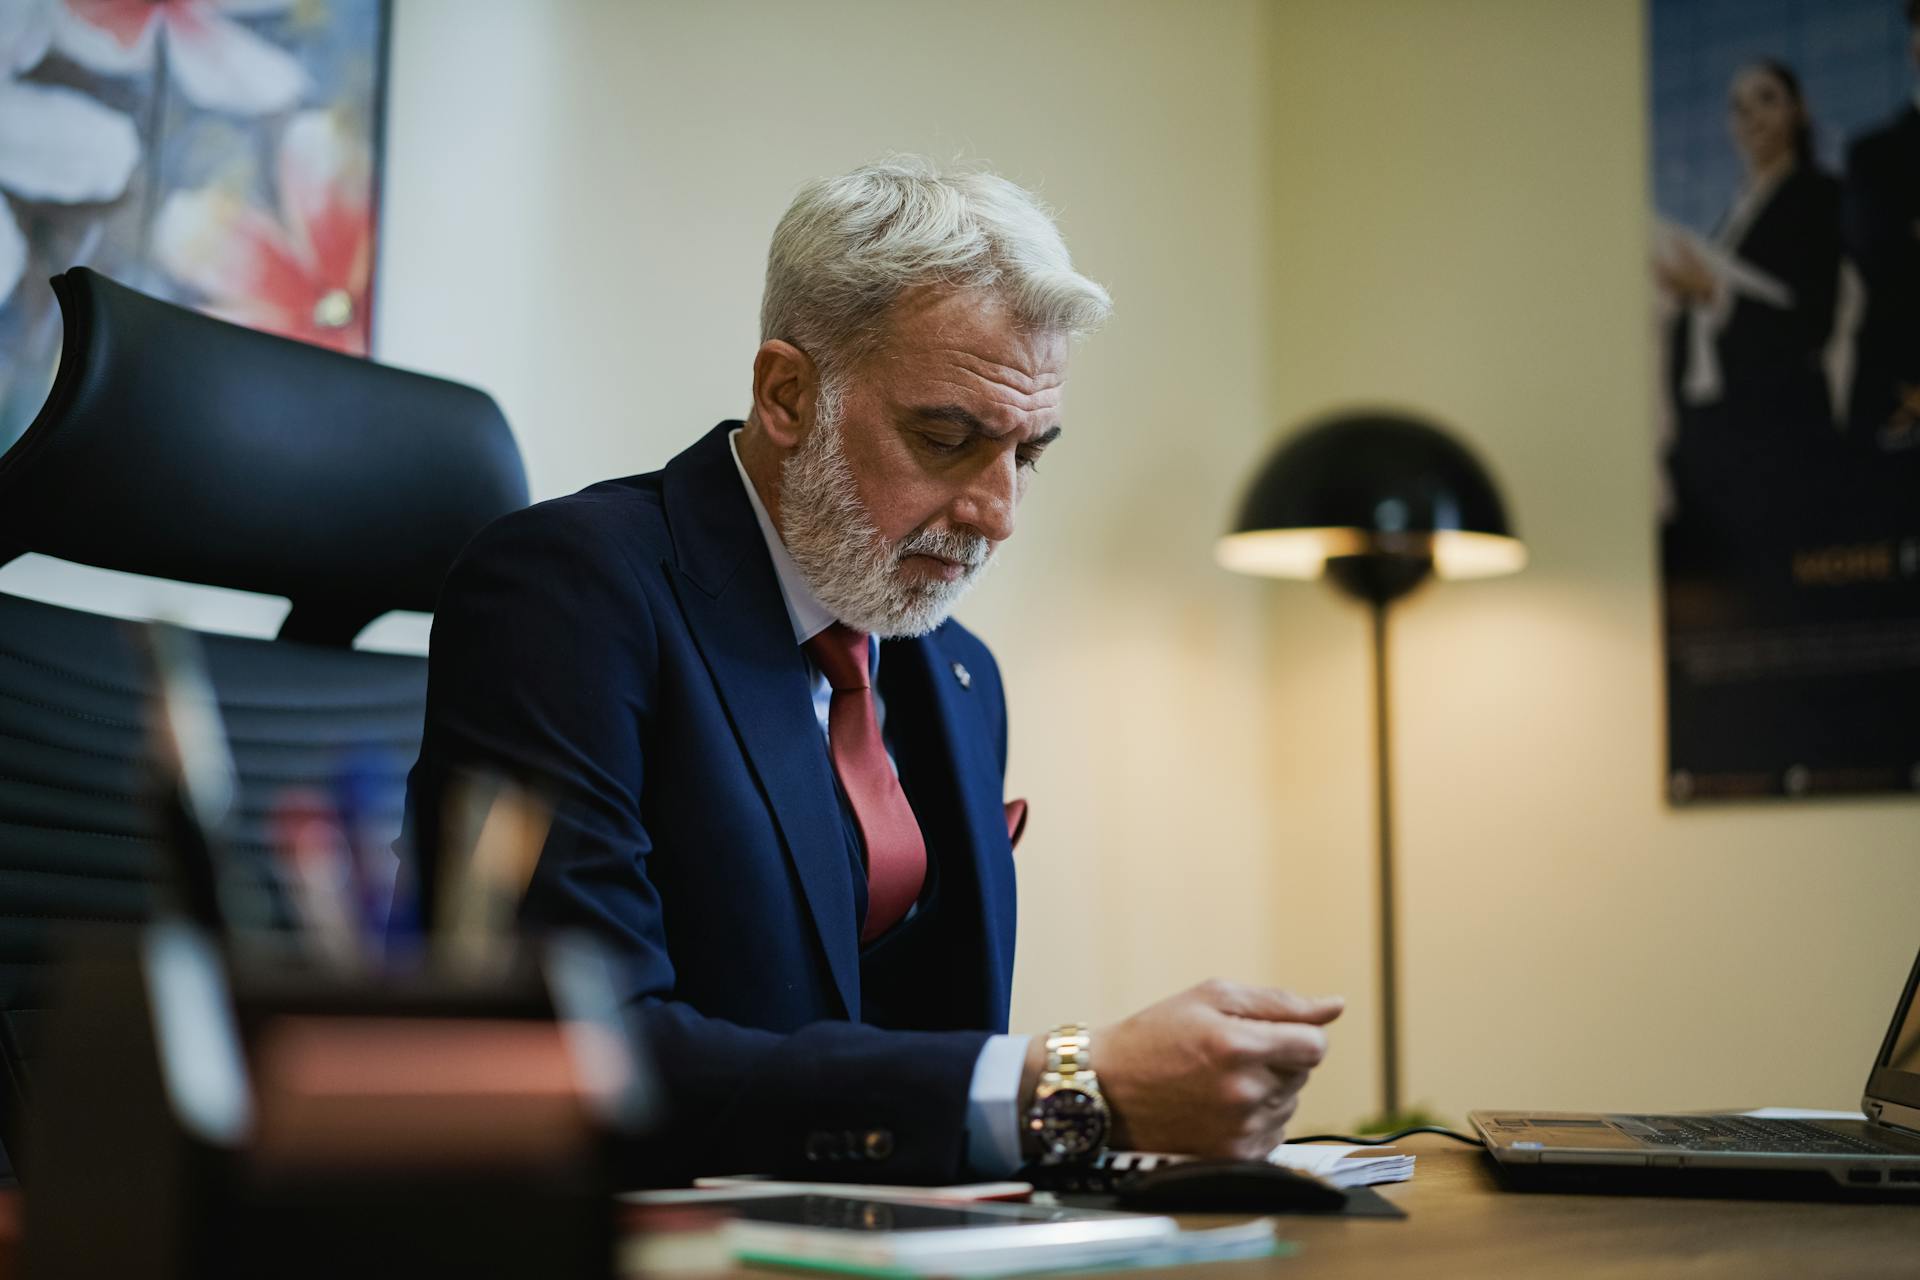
(967, 549)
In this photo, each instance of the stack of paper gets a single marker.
(1336, 1163)
(1331, 1162)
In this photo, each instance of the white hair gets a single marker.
(847, 247)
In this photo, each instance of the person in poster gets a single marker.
(1754, 312)
(1882, 224)
(1758, 299)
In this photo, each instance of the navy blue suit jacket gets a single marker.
(627, 650)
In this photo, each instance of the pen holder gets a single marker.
(200, 1120)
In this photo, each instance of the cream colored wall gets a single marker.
(1459, 226)
(1296, 203)
(578, 208)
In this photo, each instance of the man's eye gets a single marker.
(1031, 461)
(941, 445)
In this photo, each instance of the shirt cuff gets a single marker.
(993, 1107)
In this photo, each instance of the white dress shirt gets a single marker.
(993, 1099)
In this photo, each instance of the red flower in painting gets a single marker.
(304, 274)
(217, 63)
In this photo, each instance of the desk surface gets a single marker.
(1461, 1224)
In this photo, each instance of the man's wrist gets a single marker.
(1030, 1072)
(1068, 1118)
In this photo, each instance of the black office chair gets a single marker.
(179, 446)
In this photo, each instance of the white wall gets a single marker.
(1296, 203)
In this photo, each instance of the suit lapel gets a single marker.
(963, 752)
(727, 589)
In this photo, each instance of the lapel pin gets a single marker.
(964, 676)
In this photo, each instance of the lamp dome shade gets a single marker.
(1375, 486)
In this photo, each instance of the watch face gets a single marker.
(1071, 1123)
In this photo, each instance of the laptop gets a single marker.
(1704, 1154)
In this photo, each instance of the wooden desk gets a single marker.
(1460, 1223)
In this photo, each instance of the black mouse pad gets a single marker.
(1364, 1202)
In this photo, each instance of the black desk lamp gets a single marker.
(1377, 502)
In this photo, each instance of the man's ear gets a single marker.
(785, 385)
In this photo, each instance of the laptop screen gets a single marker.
(1904, 1054)
(1896, 1076)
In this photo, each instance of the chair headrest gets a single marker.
(180, 446)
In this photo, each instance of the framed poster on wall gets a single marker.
(1786, 255)
(223, 154)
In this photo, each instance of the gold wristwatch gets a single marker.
(1069, 1117)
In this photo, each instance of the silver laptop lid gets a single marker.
(1893, 1090)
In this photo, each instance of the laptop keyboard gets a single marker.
(1738, 1134)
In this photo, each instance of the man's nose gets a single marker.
(992, 495)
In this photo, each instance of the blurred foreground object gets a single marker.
(196, 1120)
(183, 447)
(235, 1108)
(1377, 503)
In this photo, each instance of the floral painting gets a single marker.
(218, 153)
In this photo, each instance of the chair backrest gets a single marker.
(179, 446)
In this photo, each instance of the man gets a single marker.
(778, 763)
(1882, 224)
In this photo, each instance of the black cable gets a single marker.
(1395, 1136)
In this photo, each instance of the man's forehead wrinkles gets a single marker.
(1003, 399)
(967, 384)
(962, 416)
(994, 371)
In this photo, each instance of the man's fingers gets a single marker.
(1322, 1009)
(1281, 1046)
(1271, 1004)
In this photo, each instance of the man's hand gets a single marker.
(1214, 1071)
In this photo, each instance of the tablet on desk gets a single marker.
(923, 1237)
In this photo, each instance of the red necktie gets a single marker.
(896, 852)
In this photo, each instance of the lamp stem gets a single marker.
(1383, 780)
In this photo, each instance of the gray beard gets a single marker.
(851, 568)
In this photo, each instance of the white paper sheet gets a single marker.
(1337, 1164)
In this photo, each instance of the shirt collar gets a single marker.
(808, 616)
